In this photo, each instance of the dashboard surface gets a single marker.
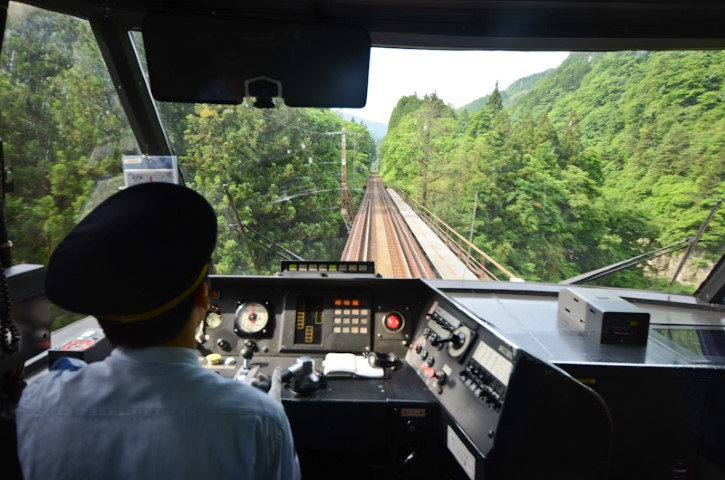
(478, 380)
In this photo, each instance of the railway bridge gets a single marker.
(406, 244)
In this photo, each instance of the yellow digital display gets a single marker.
(308, 321)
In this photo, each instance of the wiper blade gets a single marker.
(615, 267)
(695, 240)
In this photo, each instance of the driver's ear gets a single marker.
(201, 298)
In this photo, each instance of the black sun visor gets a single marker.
(216, 59)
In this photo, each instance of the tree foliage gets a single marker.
(57, 142)
(609, 155)
(281, 168)
(64, 133)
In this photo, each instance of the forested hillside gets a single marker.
(606, 157)
(64, 134)
(511, 95)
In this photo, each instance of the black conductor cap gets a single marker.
(137, 255)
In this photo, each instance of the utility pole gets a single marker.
(473, 221)
(345, 201)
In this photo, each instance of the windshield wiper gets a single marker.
(615, 267)
(695, 240)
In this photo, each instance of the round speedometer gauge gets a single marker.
(251, 317)
(214, 317)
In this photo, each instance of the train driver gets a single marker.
(139, 263)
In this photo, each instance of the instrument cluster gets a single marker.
(287, 317)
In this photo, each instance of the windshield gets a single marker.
(549, 164)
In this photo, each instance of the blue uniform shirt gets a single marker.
(151, 413)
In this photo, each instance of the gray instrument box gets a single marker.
(601, 314)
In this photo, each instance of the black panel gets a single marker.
(551, 423)
(491, 24)
(29, 311)
(668, 422)
(211, 59)
(509, 415)
(327, 321)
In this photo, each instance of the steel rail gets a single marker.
(380, 233)
(398, 261)
(418, 263)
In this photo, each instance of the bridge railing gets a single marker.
(472, 256)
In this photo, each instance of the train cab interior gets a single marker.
(403, 378)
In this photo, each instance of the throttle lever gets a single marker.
(457, 339)
(302, 377)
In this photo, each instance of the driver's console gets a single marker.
(390, 379)
(353, 417)
(395, 379)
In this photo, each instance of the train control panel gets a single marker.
(347, 335)
(506, 413)
(288, 317)
(408, 378)
(456, 389)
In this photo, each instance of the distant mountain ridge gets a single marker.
(512, 94)
(377, 130)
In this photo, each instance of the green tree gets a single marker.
(495, 102)
(281, 168)
(57, 143)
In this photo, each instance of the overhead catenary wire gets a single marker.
(346, 204)
(295, 127)
(270, 244)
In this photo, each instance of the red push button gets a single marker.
(393, 322)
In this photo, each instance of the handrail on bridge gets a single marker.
(457, 242)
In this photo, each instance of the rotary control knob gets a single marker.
(223, 344)
(248, 350)
(460, 340)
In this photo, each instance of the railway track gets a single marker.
(380, 234)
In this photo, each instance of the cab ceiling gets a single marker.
(487, 24)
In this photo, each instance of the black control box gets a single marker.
(601, 314)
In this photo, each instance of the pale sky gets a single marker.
(457, 77)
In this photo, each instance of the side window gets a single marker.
(62, 126)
